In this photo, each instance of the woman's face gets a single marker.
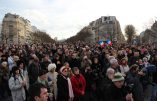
(65, 72)
(76, 72)
(17, 71)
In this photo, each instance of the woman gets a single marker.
(124, 68)
(78, 84)
(52, 79)
(16, 85)
(64, 87)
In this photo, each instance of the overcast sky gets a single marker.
(64, 18)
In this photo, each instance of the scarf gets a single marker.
(71, 94)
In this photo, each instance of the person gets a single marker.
(78, 84)
(52, 79)
(38, 92)
(108, 79)
(16, 85)
(124, 68)
(33, 69)
(117, 91)
(114, 64)
(42, 78)
(64, 87)
(23, 74)
(4, 77)
(133, 77)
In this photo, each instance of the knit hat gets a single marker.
(51, 66)
(117, 77)
(62, 69)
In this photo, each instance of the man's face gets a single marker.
(43, 77)
(73, 55)
(119, 84)
(43, 95)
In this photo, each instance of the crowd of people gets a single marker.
(78, 71)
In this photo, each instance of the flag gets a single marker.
(101, 43)
(109, 42)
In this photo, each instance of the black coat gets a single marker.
(137, 91)
(115, 94)
(62, 88)
(33, 72)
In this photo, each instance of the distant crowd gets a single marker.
(78, 71)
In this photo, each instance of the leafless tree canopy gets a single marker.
(130, 32)
(81, 36)
(40, 37)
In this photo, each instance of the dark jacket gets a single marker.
(115, 94)
(137, 91)
(33, 72)
(62, 87)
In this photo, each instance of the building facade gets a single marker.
(149, 35)
(107, 27)
(15, 29)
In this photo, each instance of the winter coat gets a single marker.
(62, 88)
(115, 94)
(137, 92)
(52, 81)
(17, 90)
(78, 84)
(33, 72)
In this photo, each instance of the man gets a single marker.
(116, 91)
(38, 92)
(133, 77)
(33, 69)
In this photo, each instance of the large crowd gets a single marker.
(78, 71)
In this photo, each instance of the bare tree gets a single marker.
(81, 36)
(40, 37)
(130, 33)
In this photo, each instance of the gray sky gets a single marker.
(64, 18)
